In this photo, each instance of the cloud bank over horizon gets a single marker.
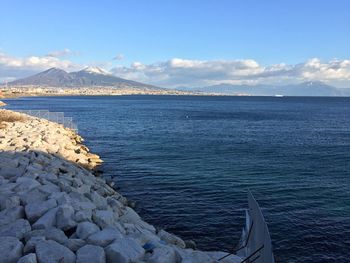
(179, 72)
(12, 67)
(197, 73)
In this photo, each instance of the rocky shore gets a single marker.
(54, 209)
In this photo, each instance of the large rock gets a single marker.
(26, 184)
(83, 215)
(32, 196)
(124, 251)
(62, 198)
(7, 172)
(16, 229)
(164, 254)
(49, 188)
(9, 201)
(64, 217)
(171, 239)
(104, 237)
(10, 249)
(34, 233)
(51, 251)
(6, 189)
(74, 243)
(98, 200)
(51, 177)
(115, 204)
(30, 258)
(103, 218)
(35, 210)
(86, 229)
(79, 197)
(11, 214)
(56, 234)
(130, 216)
(143, 235)
(31, 244)
(91, 254)
(83, 205)
(83, 189)
(47, 220)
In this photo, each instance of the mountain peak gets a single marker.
(54, 70)
(96, 70)
(88, 77)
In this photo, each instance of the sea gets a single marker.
(189, 161)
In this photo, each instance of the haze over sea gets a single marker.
(188, 162)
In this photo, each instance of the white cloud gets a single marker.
(16, 67)
(184, 72)
(178, 72)
(119, 57)
(333, 70)
(61, 53)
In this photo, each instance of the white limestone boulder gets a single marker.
(103, 218)
(51, 251)
(30, 258)
(124, 251)
(98, 200)
(163, 254)
(17, 229)
(86, 229)
(104, 237)
(10, 249)
(130, 216)
(32, 196)
(26, 184)
(171, 239)
(83, 215)
(47, 220)
(11, 214)
(65, 217)
(91, 254)
(35, 210)
(75, 243)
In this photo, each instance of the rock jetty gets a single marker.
(54, 209)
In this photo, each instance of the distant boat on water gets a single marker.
(279, 95)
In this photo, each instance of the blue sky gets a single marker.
(154, 32)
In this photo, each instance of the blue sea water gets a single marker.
(188, 162)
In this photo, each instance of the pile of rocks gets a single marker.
(53, 208)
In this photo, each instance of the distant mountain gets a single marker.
(311, 88)
(88, 77)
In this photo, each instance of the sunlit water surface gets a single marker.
(189, 161)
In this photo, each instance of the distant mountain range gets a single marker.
(311, 88)
(94, 77)
(88, 77)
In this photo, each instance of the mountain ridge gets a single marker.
(308, 88)
(87, 77)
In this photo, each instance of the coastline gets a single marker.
(25, 91)
(53, 206)
(16, 92)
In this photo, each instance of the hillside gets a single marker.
(310, 88)
(88, 77)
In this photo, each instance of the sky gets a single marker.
(180, 43)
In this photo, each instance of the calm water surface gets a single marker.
(189, 161)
